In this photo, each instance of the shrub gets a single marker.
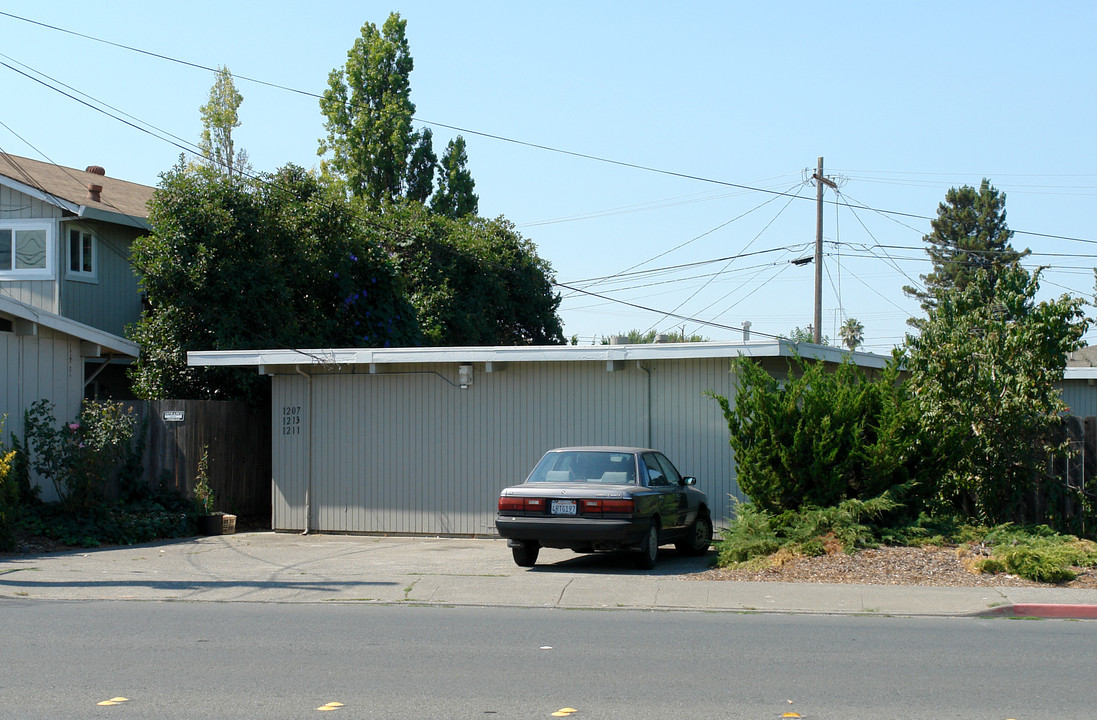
(8, 494)
(824, 436)
(81, 457)
(756, 533)
(1036, 553)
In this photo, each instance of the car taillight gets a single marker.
(592, 506)
(622, 505)
(519, 504)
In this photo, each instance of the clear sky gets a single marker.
(702, 106)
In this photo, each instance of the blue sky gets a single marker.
(903, 101)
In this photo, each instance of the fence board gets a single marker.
(237, 439)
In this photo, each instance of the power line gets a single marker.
(501, 138)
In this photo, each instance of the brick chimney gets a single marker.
(95, 190)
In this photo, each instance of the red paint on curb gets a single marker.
(1045, 610)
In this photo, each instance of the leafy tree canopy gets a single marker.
(640, 337)
(983, 380)
(472, 281)
(805, 335)
(282, 262)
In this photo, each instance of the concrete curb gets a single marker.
(1044, 611)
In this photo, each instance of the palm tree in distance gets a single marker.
(852, 333)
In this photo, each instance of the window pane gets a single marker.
(87, 253)
(74, 250)
(5, 249)
(30, 249)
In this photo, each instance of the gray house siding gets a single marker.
(14, 205)
(111, 301)
(45, 366)
(408, 451)
(1080, 396)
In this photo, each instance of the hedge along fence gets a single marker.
(236, 436)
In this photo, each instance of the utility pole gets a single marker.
(820, 181)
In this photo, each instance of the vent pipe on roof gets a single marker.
(95, 191)
(746, 330)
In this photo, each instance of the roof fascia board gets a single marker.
(118, 218)
(1080, 373)
(541, 353)
(39, 194)
(93, 336)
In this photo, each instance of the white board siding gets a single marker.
(407, 451)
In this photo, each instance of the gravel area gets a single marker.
(940, 566)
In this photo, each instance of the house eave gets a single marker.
(94, 341)
(333, 357)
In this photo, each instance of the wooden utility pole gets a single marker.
(820, 181)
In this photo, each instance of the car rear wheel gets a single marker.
(698, 537)
(649, 549)
(525, 555)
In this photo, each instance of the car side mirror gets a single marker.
(688, 481)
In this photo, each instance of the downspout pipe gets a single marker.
(647, 372)
(308, 474)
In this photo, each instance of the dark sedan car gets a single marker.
(593, 499)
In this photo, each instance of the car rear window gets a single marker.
(586, 466)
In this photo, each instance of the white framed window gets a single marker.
(81, 249)
(27, 249)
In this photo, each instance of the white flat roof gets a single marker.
(538, 353)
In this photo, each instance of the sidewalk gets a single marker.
(291, 568)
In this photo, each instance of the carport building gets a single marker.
(421, 440)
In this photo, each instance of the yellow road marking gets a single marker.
(114, 701)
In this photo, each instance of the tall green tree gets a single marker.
(969, 235)
(983, 376)
(369, 111)
(454, 197)
(220, 116)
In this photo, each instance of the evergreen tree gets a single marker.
(421, 167)
(455, 197)
(969, 234)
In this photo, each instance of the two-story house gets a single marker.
(67, 289)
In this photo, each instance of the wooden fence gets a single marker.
(236, 437)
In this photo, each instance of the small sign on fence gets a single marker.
(173, 415)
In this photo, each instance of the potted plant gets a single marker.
(209, 521)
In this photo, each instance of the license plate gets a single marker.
(564, 507)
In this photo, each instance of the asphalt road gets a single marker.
(217, 660)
